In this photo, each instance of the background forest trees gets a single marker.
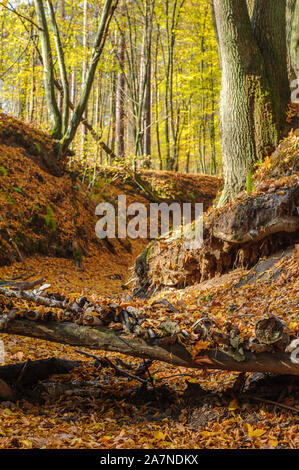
(155, 94)
(145, 86)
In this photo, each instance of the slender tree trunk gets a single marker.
(107, 13)
(60, 95)
(216, 29)
(157, 101)
(202, 146)
(167, 139)
(147, 118)
(54, 114)
(112, 110)
(139, 143)
(157, 127)
(106, 339)
(132, 81)
(74, 85)
(202, 128)
(147, 107)
(120, 96)
(84, 70)
(62, 68)
(32, 93)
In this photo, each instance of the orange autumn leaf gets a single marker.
(258, 432)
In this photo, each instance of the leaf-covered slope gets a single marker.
(40, 212)
(283, 162)
(45, 209)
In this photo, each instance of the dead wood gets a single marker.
(34, 297)
(6, 392)
(30, 372)
(231, 239)
(22, 285)
(173, 353)
(256, 218)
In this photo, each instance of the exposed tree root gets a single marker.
(259, 217)
(236, 236)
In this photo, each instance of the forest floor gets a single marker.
(189, 409)
(94, 407)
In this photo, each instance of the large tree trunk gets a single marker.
(247, 121)
(269, 27)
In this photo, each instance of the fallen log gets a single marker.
(6, 392)
(14, 378)
(31, 372)
(108, 340)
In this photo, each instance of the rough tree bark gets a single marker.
(269, 28)
(249, 125)
(294, 44)
(290, 8)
